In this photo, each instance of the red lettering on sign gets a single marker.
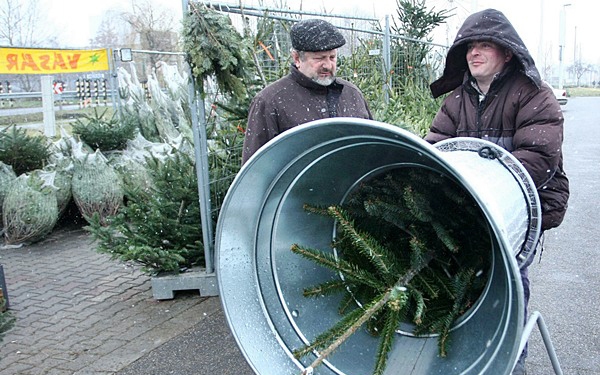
(59, 61)
(28, 62)
(73, 60)
(44, 59)
(12, 59)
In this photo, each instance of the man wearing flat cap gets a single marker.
(310, 91)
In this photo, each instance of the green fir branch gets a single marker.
(444, 235)
(351, 322)
(460, 286)
(390, 212)
(417, 203)
(443, 279)
(325, 289)
(426, 285)
(374, 326)
(330, 339)
(368, 246)
(420, 305)
(419, 251)
(395, 298)
(392, 320)
(323, 211)
(350, 271)
(347, 303)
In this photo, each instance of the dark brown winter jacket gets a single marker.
(519, 113)
(295, 99)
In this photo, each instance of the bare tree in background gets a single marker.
(20, 22)
(153, 28)
(112, 31)
(546, 65)
(578, 69)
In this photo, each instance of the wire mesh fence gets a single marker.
(376, 57)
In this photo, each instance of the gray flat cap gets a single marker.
(316, 35)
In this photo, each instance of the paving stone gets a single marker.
(80, 363)
(87, 315)
(19, 368)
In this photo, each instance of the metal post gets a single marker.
(114, 83)
(561, 43)
(540, 57)
(198, 118)
(48, 106)
(536, 317)
(387, 60)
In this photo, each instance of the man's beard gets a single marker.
(324, 81)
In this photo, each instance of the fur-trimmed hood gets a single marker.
(492, 25)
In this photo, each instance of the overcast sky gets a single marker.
(537, 21)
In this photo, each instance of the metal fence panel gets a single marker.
(371, 58)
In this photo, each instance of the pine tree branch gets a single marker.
(316, 209)
(444, 235)
(419, 252)
(349, 270)
(326, 338)
(420, 305)
(424, 283)
(392, 320)
(397, 225)
(418, 204)
(368, 313)
(395, 295)
(443, 282)
(390, 212)
(462, 283)
(365, 243)
(326, 288)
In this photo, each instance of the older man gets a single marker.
(310, 91)
(498, 95)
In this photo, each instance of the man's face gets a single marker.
(485, 59)
(318, 66)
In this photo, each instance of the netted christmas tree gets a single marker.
(159, 226)
(30, 210)
(7, 176)
(412, 248)
(96, 186)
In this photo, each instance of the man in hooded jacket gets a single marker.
(497, 95)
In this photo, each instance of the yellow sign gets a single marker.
(52, 61)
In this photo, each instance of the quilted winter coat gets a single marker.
(519, 112)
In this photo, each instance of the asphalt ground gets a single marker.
(79, 312)
(566, 283)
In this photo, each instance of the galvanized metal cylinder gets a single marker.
(261, 280)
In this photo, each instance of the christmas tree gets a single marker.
(411, 246)
(159, 226)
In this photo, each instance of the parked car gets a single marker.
(560, 94)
